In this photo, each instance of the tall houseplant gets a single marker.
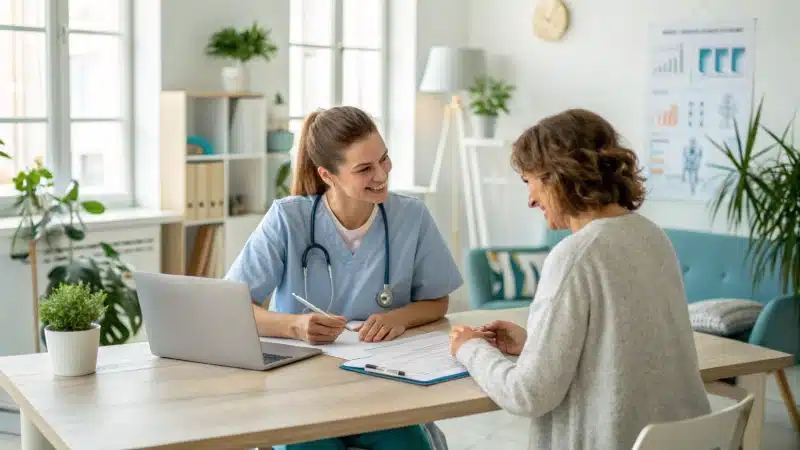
(488, 98)
(240, 47)
(760, 191)
(44, 215)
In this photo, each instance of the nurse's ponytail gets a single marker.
(326, 134)
(307, 180)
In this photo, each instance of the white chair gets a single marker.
(720, 430)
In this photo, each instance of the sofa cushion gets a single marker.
(514, 273)
(724, 316)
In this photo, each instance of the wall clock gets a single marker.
(550, 20)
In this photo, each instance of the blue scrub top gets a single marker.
(421, 267)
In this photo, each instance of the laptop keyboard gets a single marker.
(270, 358)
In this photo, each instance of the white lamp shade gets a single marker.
(452, 69)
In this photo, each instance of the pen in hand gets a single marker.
(315, 309)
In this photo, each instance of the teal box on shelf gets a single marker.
(279, 141)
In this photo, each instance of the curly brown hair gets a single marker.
(577, 153)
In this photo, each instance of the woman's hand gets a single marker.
(462, 333)
(381, 327)
(508, 337)
(317, 329)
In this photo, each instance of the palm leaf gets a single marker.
(760, 192)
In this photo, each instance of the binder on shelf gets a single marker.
(201, 191)
(215, 176)
(191, 200)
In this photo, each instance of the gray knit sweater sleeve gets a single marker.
(557, 324)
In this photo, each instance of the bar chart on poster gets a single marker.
(700, 82)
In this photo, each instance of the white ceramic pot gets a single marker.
(484, 126)
(73, 353)
(235, 78)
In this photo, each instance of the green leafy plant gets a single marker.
(111, 276)
(489, 96)
(760, 191)
(4, 154)
(72, 307)
(282, 180)
(243, 46)
(44, 215)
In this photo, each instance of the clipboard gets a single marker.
(406, 379)
(423, 360)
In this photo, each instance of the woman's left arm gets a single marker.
(540, 378)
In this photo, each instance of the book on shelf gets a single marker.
(207, 258)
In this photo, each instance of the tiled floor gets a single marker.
(502, 431)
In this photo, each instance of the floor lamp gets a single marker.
(450, 71)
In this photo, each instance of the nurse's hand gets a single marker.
(381, 327)
(318, 329)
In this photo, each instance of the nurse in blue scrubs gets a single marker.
(347, 245)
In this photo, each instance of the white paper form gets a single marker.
(424, 357)
(346, 346)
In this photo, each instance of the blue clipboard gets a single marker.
(457, 376)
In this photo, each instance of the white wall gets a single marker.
(600, 65)
(186, 26)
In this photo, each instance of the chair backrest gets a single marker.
(720, 430)
(499, 274)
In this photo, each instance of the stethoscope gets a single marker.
(384, 297)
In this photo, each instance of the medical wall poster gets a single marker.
(700, 80)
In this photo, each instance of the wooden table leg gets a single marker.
(755, 384)
(788, 398)
(32, 438)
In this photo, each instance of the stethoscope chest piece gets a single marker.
(384, 297)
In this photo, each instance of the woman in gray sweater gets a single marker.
(608, 347)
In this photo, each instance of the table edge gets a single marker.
(30, 412)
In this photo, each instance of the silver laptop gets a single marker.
(207, 320)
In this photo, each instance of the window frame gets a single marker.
(58, 119)
(337, 49)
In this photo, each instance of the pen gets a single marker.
(374, 368)
(314, 308)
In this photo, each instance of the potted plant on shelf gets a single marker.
(73, 336)
(488, 98)
(241, 47)
(279, 138)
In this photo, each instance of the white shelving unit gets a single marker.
(235, 124)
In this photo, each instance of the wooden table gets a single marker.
(136, 400)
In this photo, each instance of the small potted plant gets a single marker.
(240, 47)
(489, 97)
(70, 313)
(279, 138)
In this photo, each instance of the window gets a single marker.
(337, 56)
(65, 93)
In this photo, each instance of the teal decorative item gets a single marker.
(279, 141)
(196, 145)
